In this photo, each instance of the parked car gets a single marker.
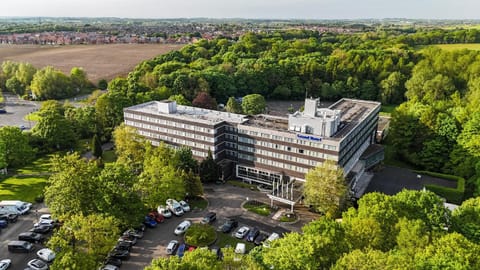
(181, 250)
(113, 261)
(3, 111)
(252, 234)
(3, 223)
(240, 248)
(172, 247)
(260, 238)
(10, 218)
(31, 237)
(209, 218)
(5, 263)
(182, 227)
(272, 237)
(185, 206)
(43, 229)
(37, 264)
(109, 267)
(164, 212)
(150, 222)
(242, 232)
(20, 246)
(229, 225)
(156, 216)
(217, 251)
(46, 222)
(46, 255)
(140, 227)
(132, 240)
(123, 246)
(133, 232)
(46, 217)
(119, 254)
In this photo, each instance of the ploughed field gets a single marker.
(99, 61)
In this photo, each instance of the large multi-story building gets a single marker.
(267, 149)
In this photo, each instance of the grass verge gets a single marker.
(452, 195)
(258, 208)
(242, 184)
(23, 188)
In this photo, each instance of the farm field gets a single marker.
(452, 47)
(99, 61)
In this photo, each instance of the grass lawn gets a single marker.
(23, 188)
(460, 46)
(224, 239)
(258, 208)
(197, 203)
(109, 156)
(241, 184)
(39, 166)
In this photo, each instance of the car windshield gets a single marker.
(178, 209)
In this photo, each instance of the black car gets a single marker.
(209, 218)
(132, 240)
(41, 229)
(123, 246)
(252, 234)
(113, 261)
(31, 237)
(229, 225)
(119, 254)
(10, 218)
(260, 238)
(3, 111)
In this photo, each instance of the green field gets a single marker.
(460, 46)
(26, 183)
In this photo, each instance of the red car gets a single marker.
(156, 216)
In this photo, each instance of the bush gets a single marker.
(39, 198)
(452, 195)
(200, 235)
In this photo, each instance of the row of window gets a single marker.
(169, 123)
(176, 140)
(285, 139)
(171, 131)
(283, 165)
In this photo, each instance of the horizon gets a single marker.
(247, 9)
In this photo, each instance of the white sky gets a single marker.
(284, 9)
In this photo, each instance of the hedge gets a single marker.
(452, 195)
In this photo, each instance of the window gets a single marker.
(300, 151)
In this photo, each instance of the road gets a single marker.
(17, 109)
(24, 223)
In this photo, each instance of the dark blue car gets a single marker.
(150, 222)
(253, 234)
(3, 223)
(181, 250)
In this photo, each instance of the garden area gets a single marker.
(200, 235)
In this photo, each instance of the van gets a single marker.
(272, 237)
(20, 246)
(19, 206)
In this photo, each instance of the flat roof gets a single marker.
(190, 113)
(353, 111)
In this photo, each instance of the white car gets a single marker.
(242, 232)
(164, 212)
(37, 264)
(46, 217)
(4, 264)
(182, 227)
(46, 254)
(175, 207)
(185, 206)
(47, 222)
(172, 247)
(109, 267)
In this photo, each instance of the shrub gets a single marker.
(452, 195)
(200, 235)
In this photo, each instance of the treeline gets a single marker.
(438, 128)
(26, 81)
(411, 230)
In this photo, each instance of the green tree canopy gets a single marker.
(253, 104)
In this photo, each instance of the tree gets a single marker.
(17, 150)
(79, 79)
(466, 219)
(55, 131)
(209, 170)
(72, 188)
(102, 84)
(180, 99)
(49, 83)
(204, 100)
(183, 159)
(83, 241)
(96, 145)
(392, 89)
(130, 147)
(325, 188)
(233, 106)
(109, 110)
(253, 104)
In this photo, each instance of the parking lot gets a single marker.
(23, 224)
(225, 200)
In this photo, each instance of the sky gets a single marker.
(259, 9)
